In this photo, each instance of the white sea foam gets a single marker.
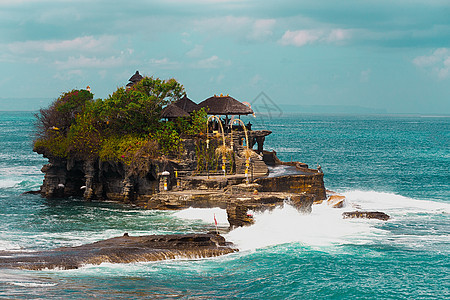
(204, 214)
(7, 245)
(32, 284)
(8, 183)
(393, 203)
(11, 177)
(12, 277)
(323, 227)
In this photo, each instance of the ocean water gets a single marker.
(395, 164)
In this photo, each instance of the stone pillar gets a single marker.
(260, 141)
(89, 173)
(54, 179)
(127, 190)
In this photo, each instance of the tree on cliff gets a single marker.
(62, 112)
(138, 109)
(53, 123)
(126, 123)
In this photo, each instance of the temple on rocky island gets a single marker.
(95, 152)
(227, 167)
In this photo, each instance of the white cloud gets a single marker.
(164, 63)
(17, 2)
(227, 24)
(90, 62)
(301, 38)
(85, 43)
(255, 80)
(262, 29)
(438, 62)
(217, 79)
(196, 51)
(244, 28)
(430, 60)
(212, 62)
(68, 75)
(337, 35)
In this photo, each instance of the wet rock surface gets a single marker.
(336, 201)
(124, 249)
(366, 215)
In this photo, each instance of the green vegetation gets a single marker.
(125, 127)
(210, 157)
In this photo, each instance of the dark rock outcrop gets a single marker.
(311, 184)
(238, 209)
(366, 215)
(124, 249)
(93, 179)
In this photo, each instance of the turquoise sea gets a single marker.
(395, 164)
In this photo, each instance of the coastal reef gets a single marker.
(123, 249)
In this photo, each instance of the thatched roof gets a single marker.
(173, 111)
(187, 104)
(136, 77)
(225, 105)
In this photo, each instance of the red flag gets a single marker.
(215, 221)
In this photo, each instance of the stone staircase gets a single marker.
(257, 165)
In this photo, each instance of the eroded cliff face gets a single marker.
(94, 179)
(148, 188)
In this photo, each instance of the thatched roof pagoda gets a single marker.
(187, 104)
(134, 79)
(225, 105)
(172, 111)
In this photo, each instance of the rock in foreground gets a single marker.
(366, 215)
(336, 201)
(124, 249)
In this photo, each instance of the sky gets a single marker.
(390, 56)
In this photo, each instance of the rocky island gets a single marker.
(150, 146)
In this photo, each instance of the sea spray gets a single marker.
(8, 183)
(414, 224)
(392, 203)
(323, 227)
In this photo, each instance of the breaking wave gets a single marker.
(325, 226)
